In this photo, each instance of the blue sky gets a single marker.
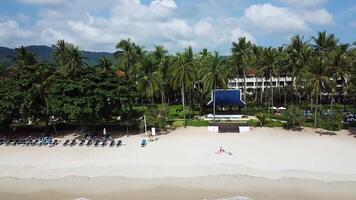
(99, 24)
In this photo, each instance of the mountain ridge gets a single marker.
(44, 53)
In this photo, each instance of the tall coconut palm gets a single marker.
(339, 61)
(296, 54)
(268, 68)
(74, 61)
(214, 75)
(318, 81)
(182, 74)
(105, 63)
(323, 44)
(60, 52)
(150, 81)
(162, 61)
(126, 50)
(24, 57)
(241, 56)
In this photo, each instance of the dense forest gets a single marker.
(135, 81)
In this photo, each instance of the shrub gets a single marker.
(178, 123)
(333, 122)
(253, 122)
(156, 116)
(262, 118)
(294, 117)
(197, 122)
(272, 124)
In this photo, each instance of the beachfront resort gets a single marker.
(159, 99)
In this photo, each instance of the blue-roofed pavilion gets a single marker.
(228, 97)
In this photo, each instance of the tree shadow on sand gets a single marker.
(352, 131)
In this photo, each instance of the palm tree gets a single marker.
(105, 63)
(24, 57)
(296, 54)
(282, 70)
(74, 61)
(43, 72)
(323, 44)
(214, 75)
(150, 81)
(182, 74)
(268, 68)
(60, 53)
(318, 81)
(241, 56)
(125, 54)
(339, 61)
(162, 61)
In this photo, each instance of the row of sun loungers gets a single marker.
(90, 142)
(29, 141)
(50, 142)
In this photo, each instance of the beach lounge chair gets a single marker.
(89, 143)
(34, 142)
(112, 143)
(119, 143)
(143, 142)
(73, 143)
(97, 142)
(105, 142)
(66, 143)
(82, 142)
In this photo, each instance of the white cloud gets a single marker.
(166, 3)
(99, 25)
(318, 17)
(238, 32)
(41, 2)
(11, 33)
(268, 18)
(274, 19)
(303, 3)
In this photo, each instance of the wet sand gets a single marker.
(199, 188)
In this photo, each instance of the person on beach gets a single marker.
(222, 150)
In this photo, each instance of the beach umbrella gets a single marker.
(274, 108)
(282, 108)
(104, 131)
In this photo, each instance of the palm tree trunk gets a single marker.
(245, 86)
(46, 129)
(271, 85)
(183, 99)
(237, 77)
(316, 111)
(262, 89)
(332, 100)
(214, 105)
(344, 95)
(162, 98)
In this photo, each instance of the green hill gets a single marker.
(44, 53)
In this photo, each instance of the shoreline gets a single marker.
(150, 172)
(208, 187)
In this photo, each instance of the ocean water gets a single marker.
(232, 198)
(236, 198)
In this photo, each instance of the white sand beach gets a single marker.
(262, 161)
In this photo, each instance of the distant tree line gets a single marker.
(69, 89)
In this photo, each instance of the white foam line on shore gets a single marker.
(156, 172)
